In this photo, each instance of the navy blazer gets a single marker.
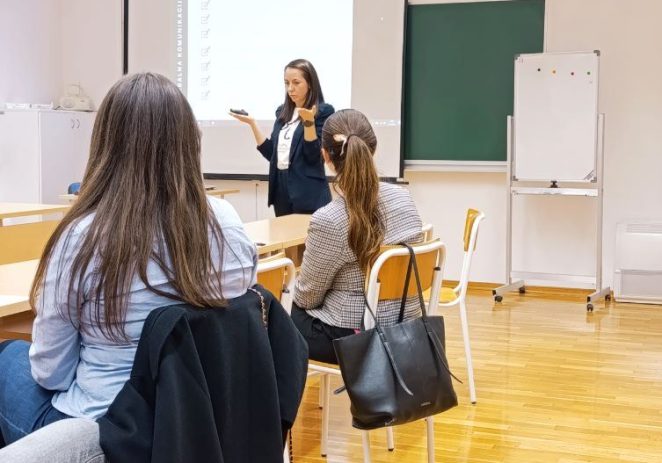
(306, 180)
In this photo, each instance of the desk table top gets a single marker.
(8, 210)
(278, 233)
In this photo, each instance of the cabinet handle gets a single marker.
(78, 123)
(72, 123)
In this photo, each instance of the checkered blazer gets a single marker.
(331, 284)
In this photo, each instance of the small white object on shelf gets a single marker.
(17, 105)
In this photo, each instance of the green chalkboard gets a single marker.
(458, 86)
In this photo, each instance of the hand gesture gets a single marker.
(242, 118)
(308, 114)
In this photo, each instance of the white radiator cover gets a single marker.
(638, 262)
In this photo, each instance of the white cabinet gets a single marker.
(41, 153)
(251, 201)
(19, 162)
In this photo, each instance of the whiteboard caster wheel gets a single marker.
(589, 307)
(498, 298)
(608, 297)
(522, 290)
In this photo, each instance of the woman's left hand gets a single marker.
(308, 114)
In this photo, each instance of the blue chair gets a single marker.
(74, 188)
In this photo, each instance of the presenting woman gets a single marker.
(297, 183)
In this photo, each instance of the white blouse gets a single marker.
(285, 140)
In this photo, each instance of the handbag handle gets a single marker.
(434, 339)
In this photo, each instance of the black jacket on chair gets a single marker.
(306, 182)
(209, 385)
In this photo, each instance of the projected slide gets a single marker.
(231, 54)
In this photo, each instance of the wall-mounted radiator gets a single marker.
(638, 262)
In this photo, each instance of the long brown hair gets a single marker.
(350, 142)
(315, 95)
(143, 183)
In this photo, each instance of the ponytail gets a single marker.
(360, 185)
(350, 142)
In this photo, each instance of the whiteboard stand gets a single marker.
(517, 280)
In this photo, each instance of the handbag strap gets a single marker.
(434, 339)
(405, 290)
(419, 288)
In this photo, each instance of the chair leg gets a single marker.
(326, 385)
(321, 393)
(467, 351)
(429, 421)
(389, 439)
(286, 453)
(365, 435)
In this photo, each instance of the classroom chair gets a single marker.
(74, 188)
(457, 295)
(276, 273)
(385, 279)
(427, 232)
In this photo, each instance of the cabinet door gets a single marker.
(244, 201)
(263, 211)
(65, 142)
(19, 157)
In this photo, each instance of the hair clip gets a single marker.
(339, 137)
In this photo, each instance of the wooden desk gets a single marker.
(15, 314)
(15, 279)
(279, 233)
(15, 282)
(9, 210)
(221, 192)
(211, 191)
(17, 326)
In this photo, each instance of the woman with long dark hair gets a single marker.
(345, 236)
(141, 235)
(297, 182)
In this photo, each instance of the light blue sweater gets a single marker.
(87, 368)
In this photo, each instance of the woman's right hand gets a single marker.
(245, 119)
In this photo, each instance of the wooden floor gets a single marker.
(554, 384)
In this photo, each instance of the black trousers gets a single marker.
(318, 335)
(282, 202)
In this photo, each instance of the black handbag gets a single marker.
(397, 374)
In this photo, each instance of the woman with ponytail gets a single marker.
(345, 236)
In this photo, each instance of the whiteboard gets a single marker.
(555, 117)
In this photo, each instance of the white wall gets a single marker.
(152, 39)
(91, 52)
(48, 44)
(628, 34)
(442, 199)
(31, 64)
(552, 234)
